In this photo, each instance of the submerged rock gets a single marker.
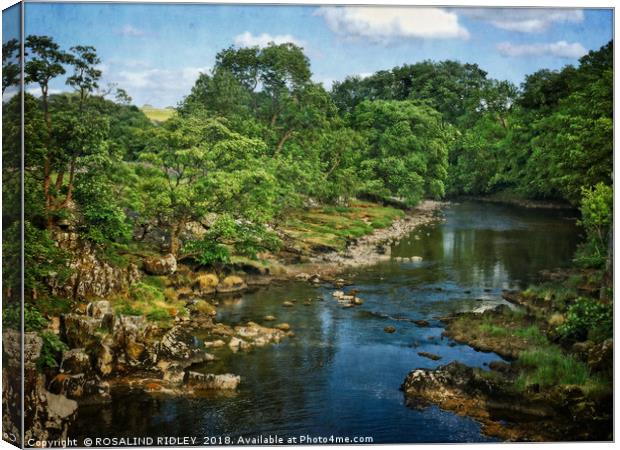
(389, 329)
(210, 381)
(430, 356)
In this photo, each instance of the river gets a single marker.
(340, 375)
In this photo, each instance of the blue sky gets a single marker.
(156, 51)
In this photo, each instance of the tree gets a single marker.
(11, 71)
(408, 149)
(44, 62)
(85, 74)
(197, 166)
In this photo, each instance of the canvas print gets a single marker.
(306, 224)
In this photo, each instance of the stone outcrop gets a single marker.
(177, 351)
(47, 416)
(91, 276)
(559, 413)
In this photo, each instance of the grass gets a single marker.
(548, 366)
(149, 298)
(555, 295)
(158, 115)
(332, 226)
(541, 363)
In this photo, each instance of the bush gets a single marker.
(51, 350)
(596, 216)
(33, 319)
(587, 318)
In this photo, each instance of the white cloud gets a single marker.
(129, 30)
(158, 87)
(386, 24)
(247, 39)
(526, 20)
(561, 49)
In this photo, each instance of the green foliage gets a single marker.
(51, 350)
(42, 259)
(407, 155)
(33, 319)
(596, 218)
(225, 234)
(588, 318)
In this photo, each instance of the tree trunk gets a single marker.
(47, 168)
(175, 230)
(70, 184)
(283, 140)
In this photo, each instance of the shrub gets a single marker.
(33, 319)
(596, 216)
(587, 318)
(52, 348)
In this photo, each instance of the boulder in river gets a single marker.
(389, 329)
(206, 283)
(231, 283)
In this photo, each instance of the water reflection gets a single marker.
(340, 374)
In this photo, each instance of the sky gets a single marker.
(156, 51)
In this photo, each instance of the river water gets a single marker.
(340, 375)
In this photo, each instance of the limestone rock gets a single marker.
(76, 361)
(163, 265)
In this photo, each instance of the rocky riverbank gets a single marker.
(539, 391)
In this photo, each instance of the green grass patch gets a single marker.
(549, 366)
(332, 226)
(158, 115)
(147, 298)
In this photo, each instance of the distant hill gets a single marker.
(158, 114)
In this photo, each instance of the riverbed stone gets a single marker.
(389, 329)
(430, 356)
(209, 381)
